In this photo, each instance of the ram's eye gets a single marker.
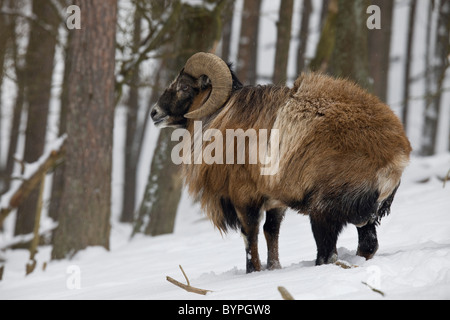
(184, 88)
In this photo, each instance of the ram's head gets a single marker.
(201, 88)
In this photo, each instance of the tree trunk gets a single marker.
(163, 191)
(58, 175)
(15, 126)
(380, 48)
(324, 12)
(325, 46)
(443, 52)
(86, 200)
(200, 31)
(227, 30)
(4, 35)
(408, 63)
(350, 54)
(131, 150)
(248, 42)
(38, 80)
(284, 27)
(19, 100)
(303, 36)
(438, 65)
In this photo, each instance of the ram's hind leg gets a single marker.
(367, 241)
(250, 219)
(271, 232)
(367, 235)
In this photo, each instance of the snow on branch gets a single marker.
(32, 175)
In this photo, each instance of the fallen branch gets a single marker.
(30, 183)
(373, 289)
(24, 241)
(447, 178)
(285, 294)
(187, 287)
(344, 265)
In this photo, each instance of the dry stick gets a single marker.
(185, 276)
(344, 266)
(447, 178)
(187, 287)
(285, 294)
(373, 289)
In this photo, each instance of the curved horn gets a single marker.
(218, 72)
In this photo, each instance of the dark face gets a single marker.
(176, 101)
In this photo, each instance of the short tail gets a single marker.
(384, 209)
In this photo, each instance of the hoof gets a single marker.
(367, 252)
(253, 267)
(331, 260)
(273, 265)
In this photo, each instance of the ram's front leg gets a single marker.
(326, 232)
(250, 219)
(271, 232)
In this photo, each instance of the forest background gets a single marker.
(69, 77)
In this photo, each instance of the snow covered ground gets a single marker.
(413, 261)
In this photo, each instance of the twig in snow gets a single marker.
(187, 287)
(285, 294)
(185, 276)
(373, 289)
(344, 265)
(447, 178)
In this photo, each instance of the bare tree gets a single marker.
(228, 13)
(4, 39)
(350, 54)
(131, 149)
(58, 174)
(38, 74)
(325, 46)
(408, 63)
(324, 12)
(303, 35)
(161, 18)
(200, 32)
(86, 200)
(284, 27)
(248, 42)
(10, 36)
(380, 48)
(438, 64)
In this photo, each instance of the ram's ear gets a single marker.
(204, 82)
